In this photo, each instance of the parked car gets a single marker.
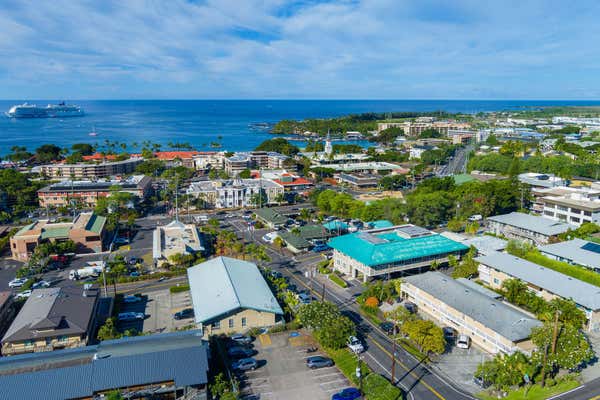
(134, 274)
(23, 295)
(320, 247)
(450, 333)
(40, 284)
(304, 298)
(17, 282)
(463, 342)
(121, 240)
(388, 327)
(355, 345)
(276, 274)
(131, 299)
(240, 352)
(245, 364)
(134, 261)
(481, 382)
(347, 394)
(410, 307)
(318, 362)
(130, 316)
(185, 313)
(241, 339)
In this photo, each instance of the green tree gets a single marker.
(47, 152)
(468, 266)
(245, 174)
(428, 336)
(85, 149)
(108, 331)
(387, 136)
(114, 395)
(279, 145)
(317, 314)
(334, 334)
(572, 348)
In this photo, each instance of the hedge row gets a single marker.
(333, 277)
(573, 271)
(179, 289)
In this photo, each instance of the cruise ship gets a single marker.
(60, 110)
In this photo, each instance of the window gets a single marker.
(574, 219)
(230, 323)
(216, 325)
(243, 321)
(496, 281)
(62, 338)
(29, 343)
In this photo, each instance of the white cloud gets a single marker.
(336, 49)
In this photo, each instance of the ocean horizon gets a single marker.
(235, 124)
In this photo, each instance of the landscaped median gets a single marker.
(335, 278)
(535, 392)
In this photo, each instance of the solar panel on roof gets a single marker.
(593, 247)
(372, 239)
(413, 231)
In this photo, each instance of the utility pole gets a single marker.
(323, 293)
(544, 365)
(555, 333)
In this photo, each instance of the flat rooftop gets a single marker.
(394, 244)
(578, 251)
(533, 223)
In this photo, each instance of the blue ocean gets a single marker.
(235, 124)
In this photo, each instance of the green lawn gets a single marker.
(535, 392)
(337, 280)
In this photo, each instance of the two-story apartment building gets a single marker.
(533, 229)
(495, 268)
(90, 170)
(51, 319)
(492, 325)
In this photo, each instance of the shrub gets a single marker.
(338, 281)
(372, 302)
(179, 289)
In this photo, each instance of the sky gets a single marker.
(275, 49)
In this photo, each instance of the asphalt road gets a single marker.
(414, 377)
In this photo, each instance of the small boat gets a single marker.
(93, 132)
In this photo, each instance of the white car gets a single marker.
(463, 342)
(131, 299)
(130, 316)
(17, 282)
(40, 284)
(355, 345)
(270, 237)
(23, 295)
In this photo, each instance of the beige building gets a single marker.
(496, 267)
(492, 325)
(530, 228)
(415, 129)
(90, 170)
(175, 238)
(231, 295)
(86, 230)
(52, 319)
(86, 192)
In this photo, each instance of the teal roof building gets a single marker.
(392, 249)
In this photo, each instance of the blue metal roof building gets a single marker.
(392, 249)
(222, 287)
(164, 363)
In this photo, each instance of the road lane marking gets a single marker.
(265, 339)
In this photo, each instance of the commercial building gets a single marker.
(86, 230)
(527, 227)
(574, 205)
(87, 192)
(492, 325)
(576, 252)
(369, 167)
(537, 180)
(231, 295)
(102, 169)
(163, 366)
(388, 250)
(174, 158)
(495, 268)
(305, 237)
(209, 160)
(236, 193)
(255, 159)
(484, 244)
(270, 217)
(359, 181)
(416, 128)
(290, 182)
(52, 319)
(175, 238)
(417, 151)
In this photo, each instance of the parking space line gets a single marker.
(336, 389)
(333, 381)
(333, 373)
(265, 339)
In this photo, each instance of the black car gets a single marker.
(388, 327)
(185, 313)
(240, 352)
(318, 362)
(410, 307)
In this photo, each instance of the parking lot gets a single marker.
(158, 308)
(283, 373)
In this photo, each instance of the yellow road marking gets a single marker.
(398, 362)
(265, 339)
